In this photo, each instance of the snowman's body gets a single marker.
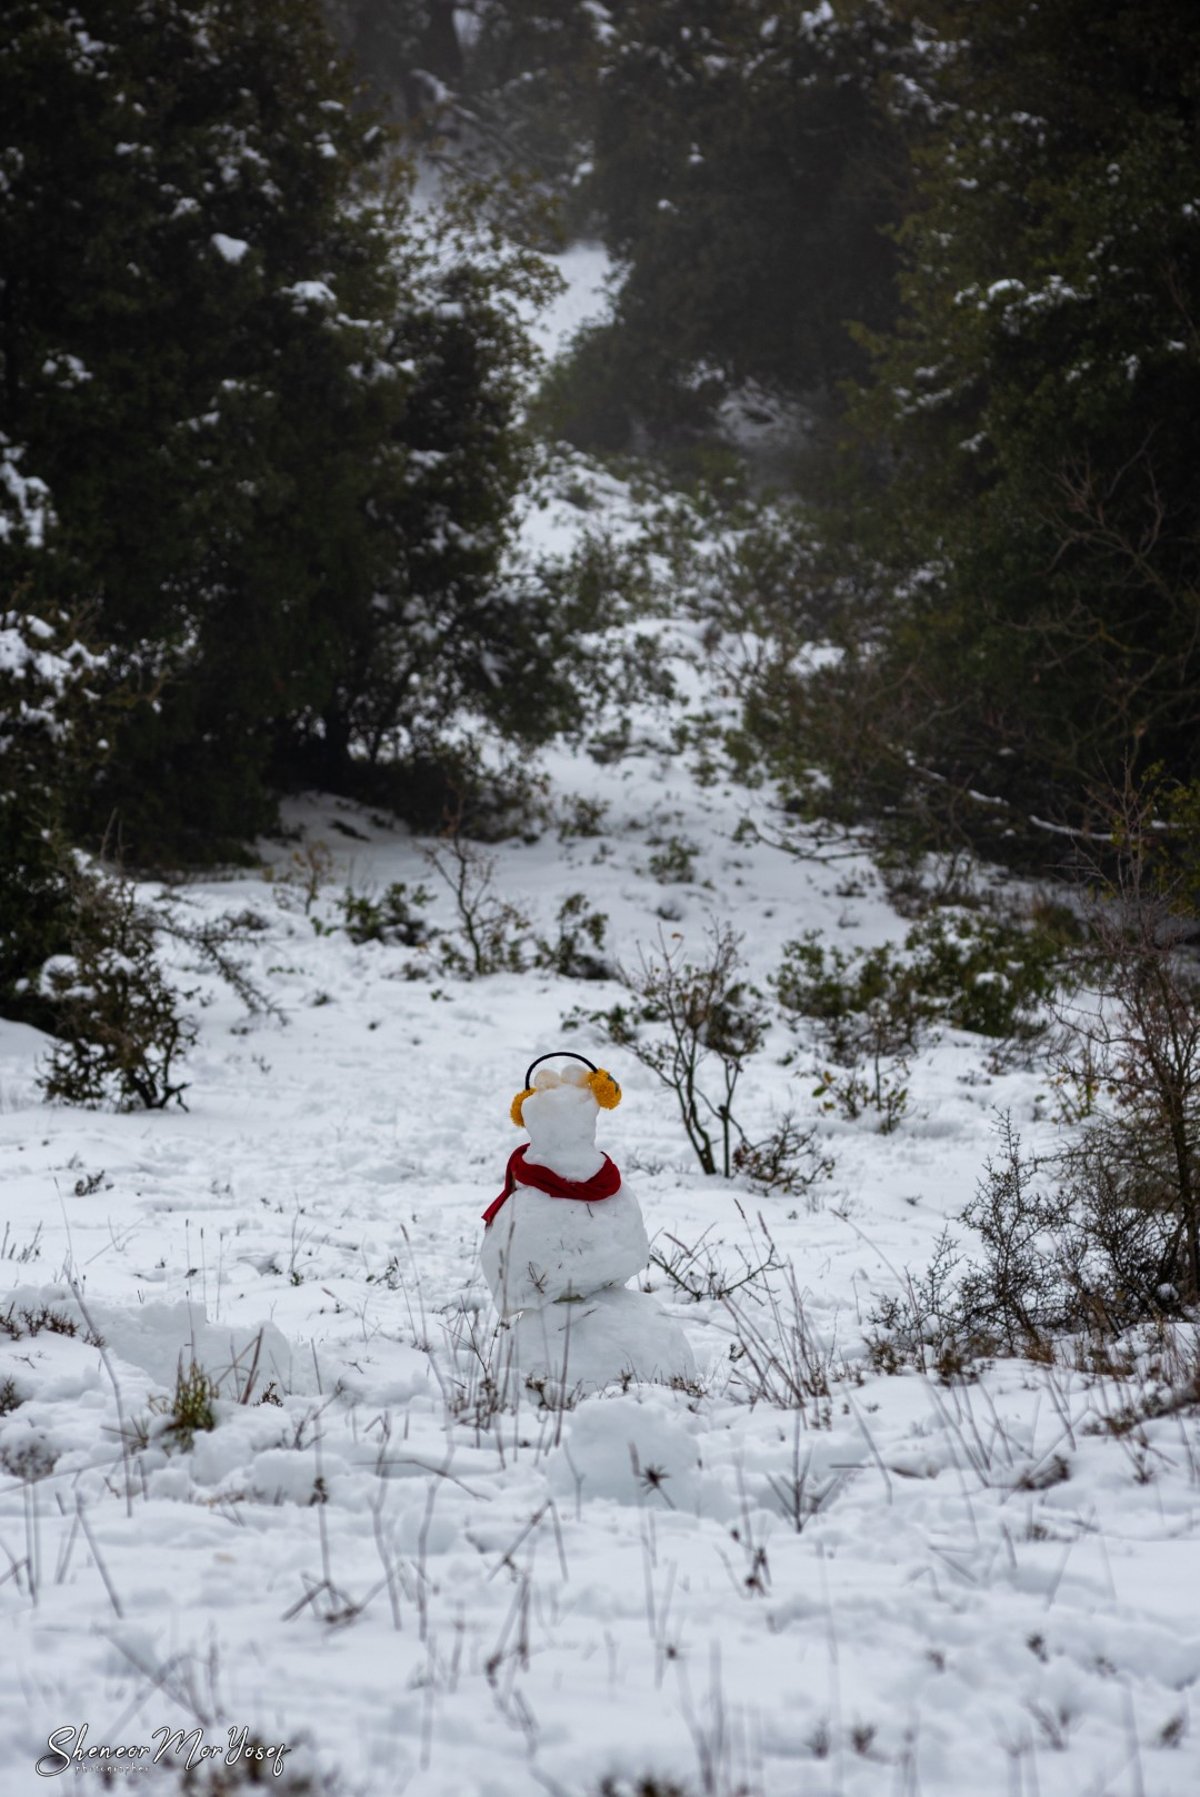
(543, 1250)
(558, 1264)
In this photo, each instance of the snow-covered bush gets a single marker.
(53, 698)
(393, 916)
(576, 950)
(859, 1003)
(674, 862)
(76, 953)
(25, 507)
(974, 970)
(987, 973)
(119, 1029)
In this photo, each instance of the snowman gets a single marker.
(563, 1238)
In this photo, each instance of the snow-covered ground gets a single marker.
(982, 1594)
(586, 269)
(887, 1586)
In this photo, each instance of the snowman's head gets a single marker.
(560, 1108)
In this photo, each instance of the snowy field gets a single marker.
(901, 1587)
(882, 1585)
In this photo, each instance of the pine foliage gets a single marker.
(272, 412)
(1035, 414)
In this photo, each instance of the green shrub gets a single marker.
(975, 970)
(119, 1028)
(189, 1410)
(581, 817)
(392, 917)
(575, 952)
(56, 708)
(674, 864)
(983, 973)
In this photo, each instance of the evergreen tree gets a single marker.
(737, 160)
(745, 173)
(1039, 409)
(56, 695)
(277, 429)
(406, 51)
(529, 95)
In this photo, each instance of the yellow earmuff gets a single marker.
(515, 1109)
(606, 1089)
(600, 1082)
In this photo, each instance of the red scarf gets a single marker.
(600, 1185)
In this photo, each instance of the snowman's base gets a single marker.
(590, 1343)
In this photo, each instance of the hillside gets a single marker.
(806, 1576)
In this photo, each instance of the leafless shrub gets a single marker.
(493, 932)
(799, 1494)
(920, 1326)
(477, 1384)
(30, 1249)
(1133, 1060)
(699, 1274)
(17, 1323)
(882, 1087)
(1062, 1251)
(695, 1024)
(777, 1358)
(787, 1160)
(213, 940)
(648, 1785)
(306, 870)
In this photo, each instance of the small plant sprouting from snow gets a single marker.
(189, 1411)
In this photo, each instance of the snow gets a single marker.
(231, 249)
(532, 1598)
(317, 293)
(586, 269)
(539, 1247)
(28, 497)
(857, 1584)
(587, 1345)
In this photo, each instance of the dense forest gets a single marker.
(267, 405)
